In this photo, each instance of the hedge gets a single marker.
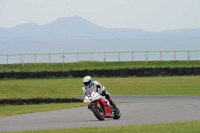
(19, 101)
(107, 73)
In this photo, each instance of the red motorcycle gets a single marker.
(100, 106)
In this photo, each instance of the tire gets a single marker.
(98, 112)
(117, 114)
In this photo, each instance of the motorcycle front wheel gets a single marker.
(98, 112)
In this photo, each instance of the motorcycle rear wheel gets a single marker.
(98, 112)
(117, 114)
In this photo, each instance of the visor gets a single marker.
(87, 83)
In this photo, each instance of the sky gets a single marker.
(148, 15)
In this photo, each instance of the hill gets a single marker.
(78, 28)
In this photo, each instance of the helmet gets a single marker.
(87, 80)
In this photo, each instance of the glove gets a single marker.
(98, 87)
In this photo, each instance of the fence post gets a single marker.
(188, 56)
(132, 56)
(146, 57)
(104, 59)
(77, 57)
(21, 59)
(175, 55)
(35, 59)
(160, 55)
(63, 56)
(49, 58)
(91, 56)
(7, 59)
(119, 56)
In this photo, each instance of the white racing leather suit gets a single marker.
(97, 87)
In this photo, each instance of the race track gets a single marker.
(136, 110)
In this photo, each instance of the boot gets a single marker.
(113, 104)
(89, 106)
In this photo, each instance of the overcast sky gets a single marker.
(148, 15)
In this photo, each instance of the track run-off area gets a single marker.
(134, 110)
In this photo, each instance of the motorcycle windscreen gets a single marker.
(88, 92)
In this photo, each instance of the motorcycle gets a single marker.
(100, 106)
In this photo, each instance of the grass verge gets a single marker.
(22, 109)
(32, 67)
(173, 127)
(31, 88)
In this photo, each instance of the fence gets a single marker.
(101, 56)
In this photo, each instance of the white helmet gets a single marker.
(87, 80)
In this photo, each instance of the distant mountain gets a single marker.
(79, 28)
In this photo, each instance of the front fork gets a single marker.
(96, 103)
(99, 106)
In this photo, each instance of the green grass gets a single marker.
(28, 88)
(22, 109)
(173, 127)
(31, 88)
(27, 91)
(94, 65)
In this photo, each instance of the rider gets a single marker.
(97, 87)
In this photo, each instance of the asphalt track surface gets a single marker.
(135, 110)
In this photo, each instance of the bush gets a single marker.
(19, 101)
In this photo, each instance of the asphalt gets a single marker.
(134, 110)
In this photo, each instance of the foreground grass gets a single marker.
(174, 127)
(31, 88)
(22, 109)
(32, 67)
